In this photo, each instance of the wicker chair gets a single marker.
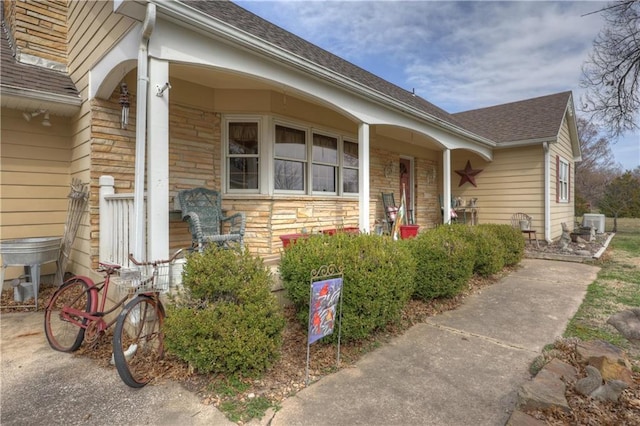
(202, 209)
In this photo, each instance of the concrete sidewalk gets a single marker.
(462, 367)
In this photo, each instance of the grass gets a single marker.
(616, 288)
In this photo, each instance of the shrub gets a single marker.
(488, 250)
(227, 320)
(378, 278)
(511, 239)
(444, 259)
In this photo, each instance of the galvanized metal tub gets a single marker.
(30, 251)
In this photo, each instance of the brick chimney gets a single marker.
(38, 31)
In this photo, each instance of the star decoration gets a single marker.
(468, 174)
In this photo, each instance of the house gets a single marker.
(146, 98)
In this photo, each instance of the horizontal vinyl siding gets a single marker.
(561, 212)
(513, 182)
(34, 179)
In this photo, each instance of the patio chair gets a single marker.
(522, 221)
(202, 209)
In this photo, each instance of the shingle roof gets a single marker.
(531, 119)
(31, 77)
(242, 19)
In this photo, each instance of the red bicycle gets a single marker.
(76, 313)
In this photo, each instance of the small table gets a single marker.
(473, 214)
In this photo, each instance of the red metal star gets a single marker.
(468, 174)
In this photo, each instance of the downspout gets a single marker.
(547, 193)
(139, 223)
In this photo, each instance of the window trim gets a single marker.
(241, 118)
(563, 180)
(266, 155)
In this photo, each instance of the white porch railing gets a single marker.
(116, 223)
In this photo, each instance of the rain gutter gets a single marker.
(139, 223)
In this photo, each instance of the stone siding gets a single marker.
(39, 28)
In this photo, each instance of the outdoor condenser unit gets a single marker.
(595, 221)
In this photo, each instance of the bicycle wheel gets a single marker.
(63, 329)
(138, 342)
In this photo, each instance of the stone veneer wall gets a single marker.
(39, 28)
(194, 160)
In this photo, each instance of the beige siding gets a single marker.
(561, 211)
(34, 178)
(513, 182)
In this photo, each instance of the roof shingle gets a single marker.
(31, 77)
(531, 119)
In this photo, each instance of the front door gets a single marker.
(406, 182)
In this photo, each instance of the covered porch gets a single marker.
(291, 146)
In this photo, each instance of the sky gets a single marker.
(458, 55)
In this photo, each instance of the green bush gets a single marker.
(227, 320)
(445, 260)
(511, 239)
(378, 278)
(488, 250)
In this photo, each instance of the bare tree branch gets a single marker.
(612, 71)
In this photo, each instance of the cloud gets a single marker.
(457, 55)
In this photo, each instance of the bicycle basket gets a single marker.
(144, 279)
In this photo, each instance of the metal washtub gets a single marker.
(31, 253)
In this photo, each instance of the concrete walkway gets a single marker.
(462, 367)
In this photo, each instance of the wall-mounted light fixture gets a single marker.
(161, 90)
(124, 103)
(389, 169)
(45, 116)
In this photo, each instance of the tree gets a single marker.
(598, 166)
(611, 75)
(621, 198)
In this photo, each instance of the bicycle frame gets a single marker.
(98, 297)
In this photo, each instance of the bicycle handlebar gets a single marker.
(155, 262)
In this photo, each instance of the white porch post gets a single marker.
(446, 185)
(363, 176)
(158, 162)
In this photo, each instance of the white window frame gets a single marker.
(228, 119)
(266, 155)
(563, 180)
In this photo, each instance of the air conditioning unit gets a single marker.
(595, 221)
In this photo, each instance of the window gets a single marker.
(350, 167)
(290, 162)
(325, 163)
(287, 157)
(242, 155)
(563, 171)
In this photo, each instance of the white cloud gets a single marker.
(457, 55)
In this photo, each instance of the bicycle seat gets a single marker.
(108, 267)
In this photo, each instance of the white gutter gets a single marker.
(139, 223)
(547, 193)
(189, 16)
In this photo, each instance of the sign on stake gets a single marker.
(325, 306)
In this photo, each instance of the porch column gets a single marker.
(446, 185)
(158, 162)
(363, 176)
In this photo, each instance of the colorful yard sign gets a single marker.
(325, 306)
(325, 296)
